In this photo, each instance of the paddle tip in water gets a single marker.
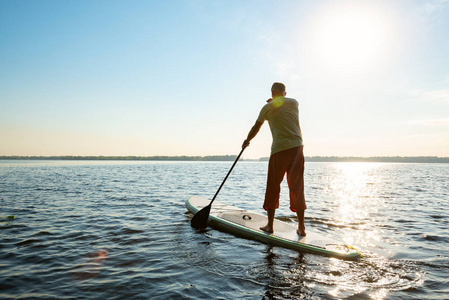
(199, 220)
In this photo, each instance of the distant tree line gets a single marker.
(392, 159)
(157, 158)
(385, 159)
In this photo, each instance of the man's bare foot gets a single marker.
(267, 228)
(301, 232)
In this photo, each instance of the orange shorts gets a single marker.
(290, 161)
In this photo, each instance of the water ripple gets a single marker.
(118, 230)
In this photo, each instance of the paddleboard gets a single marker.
(247, 223)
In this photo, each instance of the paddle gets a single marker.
(199, 220)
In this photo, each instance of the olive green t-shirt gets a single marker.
(283, 117)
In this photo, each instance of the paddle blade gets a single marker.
(199, 220)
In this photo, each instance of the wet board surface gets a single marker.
(247, 223)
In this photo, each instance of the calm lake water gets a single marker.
(118, 230)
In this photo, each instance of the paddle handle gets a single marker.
(236, 160)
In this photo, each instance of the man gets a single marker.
(286, 154)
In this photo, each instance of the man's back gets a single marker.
(283, 117)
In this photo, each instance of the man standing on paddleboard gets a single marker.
(287, 154)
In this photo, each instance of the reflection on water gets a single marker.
(354, 188)
(354, 191)
(286, 279)
(91, 267)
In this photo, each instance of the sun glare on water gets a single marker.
(354, 188)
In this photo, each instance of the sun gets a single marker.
(349, 38)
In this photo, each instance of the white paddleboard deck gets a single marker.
(246, 223)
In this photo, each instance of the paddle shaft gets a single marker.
(235, 162)
(199, 220)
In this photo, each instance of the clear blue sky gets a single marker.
(190, 77)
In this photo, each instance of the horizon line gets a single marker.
(422, 159)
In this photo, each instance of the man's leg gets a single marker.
(301, 227)
(269, 226)
(295, 179)
(276, 172)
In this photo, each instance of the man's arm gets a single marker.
(252, 133)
